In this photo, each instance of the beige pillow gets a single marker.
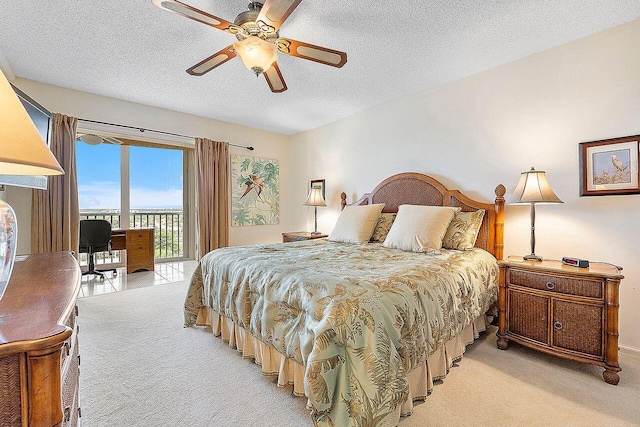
(463, 230)
(420, 228)
(356, 223)
(385, 221)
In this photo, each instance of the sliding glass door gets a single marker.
(135, 186)
(156, 197)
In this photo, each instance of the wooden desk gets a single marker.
(138, 243)
(39, 343)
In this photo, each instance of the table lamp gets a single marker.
(22, 152)
(315, 199)
(533, 188)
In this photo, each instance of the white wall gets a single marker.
(484, 130)
(93, 107)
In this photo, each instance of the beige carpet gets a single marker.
(141, 368)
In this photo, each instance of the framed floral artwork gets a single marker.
(255, 191)
(610, 167)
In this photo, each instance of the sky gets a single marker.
(155, 177)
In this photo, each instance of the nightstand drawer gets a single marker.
(297, 236)
(556, 283)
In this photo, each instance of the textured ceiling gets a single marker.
(135, 51)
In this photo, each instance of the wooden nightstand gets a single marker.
(566, 311)
(295, 236)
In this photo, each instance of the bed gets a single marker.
(361, 330)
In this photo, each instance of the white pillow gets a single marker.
(420, 228)
(356, 223)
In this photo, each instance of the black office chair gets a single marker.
(95, 236)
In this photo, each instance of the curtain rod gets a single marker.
(156, 131)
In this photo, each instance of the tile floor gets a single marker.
(166, 272)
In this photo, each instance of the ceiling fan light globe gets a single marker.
(91, 139)
(256, 54)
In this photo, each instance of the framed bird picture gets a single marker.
(610, 167)
(255, 191)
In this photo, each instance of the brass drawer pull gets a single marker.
(76, 310)
(550, 285)
(78, 360)
(557, 325)
(66, 348)
(67, 414)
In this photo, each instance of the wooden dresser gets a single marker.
(39, 343)
(562, 310)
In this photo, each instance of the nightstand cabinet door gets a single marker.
(528, 316)
(578, 327)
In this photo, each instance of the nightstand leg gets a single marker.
(611, 377)
(502, 342)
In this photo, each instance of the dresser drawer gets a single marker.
(557, 283)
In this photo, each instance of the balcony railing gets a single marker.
(168, 236)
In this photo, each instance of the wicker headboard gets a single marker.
(418, 189)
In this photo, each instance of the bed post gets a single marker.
(498, 248)
(343, 200)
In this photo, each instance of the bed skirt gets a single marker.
(290, 372)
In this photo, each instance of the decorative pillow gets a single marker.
(356, 223)
(463, 230)
(383, 226)
(420, 228)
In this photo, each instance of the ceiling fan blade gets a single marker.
(111, 140)
(213, 61)
(274, 79)
(274, 13)
(320, 54)
(196, 14)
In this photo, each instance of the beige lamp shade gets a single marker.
(256, 54)
(315, 198)
(533, 187)
(22, 149)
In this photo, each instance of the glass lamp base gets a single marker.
(8, 240)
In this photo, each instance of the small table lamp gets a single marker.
(22, 152)
(315, 199)
(534, 188)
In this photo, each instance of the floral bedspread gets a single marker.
(358, 317)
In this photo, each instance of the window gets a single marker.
(135, 186)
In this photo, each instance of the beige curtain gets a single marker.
(55, 217)
(212, 194)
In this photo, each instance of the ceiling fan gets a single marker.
(258, 39)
